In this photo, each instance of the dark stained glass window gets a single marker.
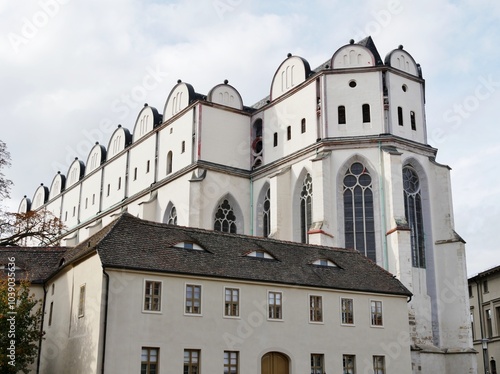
(413, 212)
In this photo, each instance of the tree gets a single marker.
(20, 319)
(40, 227)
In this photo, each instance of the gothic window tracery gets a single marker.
(225, 219)
(413, 212)
(306, 207)
(266, 214)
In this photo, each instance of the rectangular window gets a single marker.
(289, 132)
(50, 312)
(366, 113)
(315, 309)
(86, 202)
(81, 302)
(119, 183)
(303, 126)
(231, 362)
(400, 116)
(413, 122)
(183, 146)
(275, 139)
(470, 290)
(317, 364)
(66, 215)
(53, 288)
(93, 199)
(472, 323)
(489, 324)
(148, 163)
(152, 296)
(347, 311)
(135, 173)
(191, 361)
(74, 211)
(109, 190)
(378, 365)
(193, 299)
(150, 360)
(232, 302)
(349, 364)
(341, 115)
(376, 313)
(485, 286)
(275, 305)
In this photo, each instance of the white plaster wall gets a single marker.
(252, 334)
(91, 196)
(113, 171)
(178, 196)
(225, 137)
(140, 155)
(368, 90)
(70, 206)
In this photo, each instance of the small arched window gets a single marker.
(341, 115)
(413, 212)
(413, 121)
(366, 113)
(359, 228)
(225, 219)
(400, 116)
(306, 208)
(169, 162)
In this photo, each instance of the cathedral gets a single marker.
(335, 156)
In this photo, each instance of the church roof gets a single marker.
(32, 263)
(135, 244)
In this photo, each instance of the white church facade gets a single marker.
(336, 156)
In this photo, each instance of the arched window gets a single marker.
(172, 216)
(400, 116)
(169, 162)
(306, 208)
(366, 113)
(359, 224)
(341, 115)
(225, 219)
(413, 212)
(266, 214)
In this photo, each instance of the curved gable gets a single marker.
(293, 71)
(402, 60)
(352, 56)
(120, 139)
(227, 95)
(179, 98)
(75, 172)
(24, 205)
(147, 119)
(40, 197)
(97, 156)
(57, 186)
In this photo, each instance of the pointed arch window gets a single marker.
(225, 219)
(172, 216)
(413, 212)
(306, 208)
(266, 214)
(359, 227)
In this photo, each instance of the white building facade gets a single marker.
(335, 156)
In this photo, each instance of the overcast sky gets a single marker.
(71, 71)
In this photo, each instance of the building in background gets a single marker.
(335, 156)
(484, 294)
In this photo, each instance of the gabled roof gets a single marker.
(135, 244)
(32, 263)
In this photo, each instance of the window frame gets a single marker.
(342, 319)
(231, 302)
(229, 364)
(376, 368)
(144, 295)
(186, 285)
(347, 369)
(314, 309)
(81, 300)
(374, 315)
(149, 362)
(321, 367)
(273, 306)
(190, 364)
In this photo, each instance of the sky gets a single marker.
(71, 71)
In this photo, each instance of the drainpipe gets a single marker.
(105, 320)
(382, 207)
(251, 206)
(40, 339)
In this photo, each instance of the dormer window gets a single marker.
(324, 262)
(259, 253)
(188, 245)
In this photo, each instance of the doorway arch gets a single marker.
(274, 363)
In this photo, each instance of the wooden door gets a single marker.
(274, 363)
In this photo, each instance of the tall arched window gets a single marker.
(266, 214)
(172, 216)
(413, 212)
(225, 219)
(169, 162)
(306, 208)
(359, 227)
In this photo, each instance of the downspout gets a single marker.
(251, 206)
(382, 208)
(41, 330)
(105, 327)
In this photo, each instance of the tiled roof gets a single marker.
(132, 243)
(34, 263)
